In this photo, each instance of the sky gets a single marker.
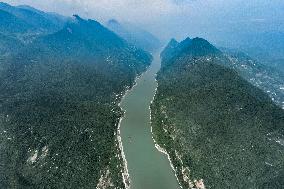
(217, 20)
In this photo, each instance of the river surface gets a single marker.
(148, 168)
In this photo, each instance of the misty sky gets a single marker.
(215, 20)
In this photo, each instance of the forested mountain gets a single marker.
(36, 20)
(214, 124)
(10, 24)
(135, 35)
(23, 24)
(267, 78)
(59, 108)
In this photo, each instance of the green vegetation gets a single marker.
(214, 124)
(59, 108)
(268, 79)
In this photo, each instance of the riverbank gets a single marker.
(157, 146)
(147, 167)
(125, 172)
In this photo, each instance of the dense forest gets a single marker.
(59, 98)
(214, 124)
(267, 78)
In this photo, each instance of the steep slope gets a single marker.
(135, 35)
(215, 125)
(59, 109)
(269, 79)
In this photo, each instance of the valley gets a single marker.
(87, 101)
(148, 168)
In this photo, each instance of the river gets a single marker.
(148, 168)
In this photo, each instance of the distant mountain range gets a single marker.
(135, 35)
(213, 122)
(22, 24)
(266, 47)
(61, 82)
(27, 18)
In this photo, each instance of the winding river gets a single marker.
(148, 168)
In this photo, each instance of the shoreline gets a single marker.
(162, 150)
(125, 173)
(157, 146)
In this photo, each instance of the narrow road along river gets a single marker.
(148, 168)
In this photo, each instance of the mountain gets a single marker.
(59, 108)
(39, 20)
(170, 48)
(11, 24)
(266, 47)
(192, 47)
(217, 127)
(135, 35)
(22, 24)
(267, 78)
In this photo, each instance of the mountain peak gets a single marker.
(113, 21)
(185, 43)
(173, 43)
(192, 47)
(77, 17)
(170, 49)
(199, 47)
(198, 40)
(186, 40)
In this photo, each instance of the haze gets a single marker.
(220, 21)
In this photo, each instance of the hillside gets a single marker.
(268, 79)
(21, 25)
(59, 108)
(8, 46)
(39, 21)
(214, 124)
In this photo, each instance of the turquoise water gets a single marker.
(148, 168)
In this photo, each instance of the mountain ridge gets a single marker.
(217, 127)
(59, 111)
